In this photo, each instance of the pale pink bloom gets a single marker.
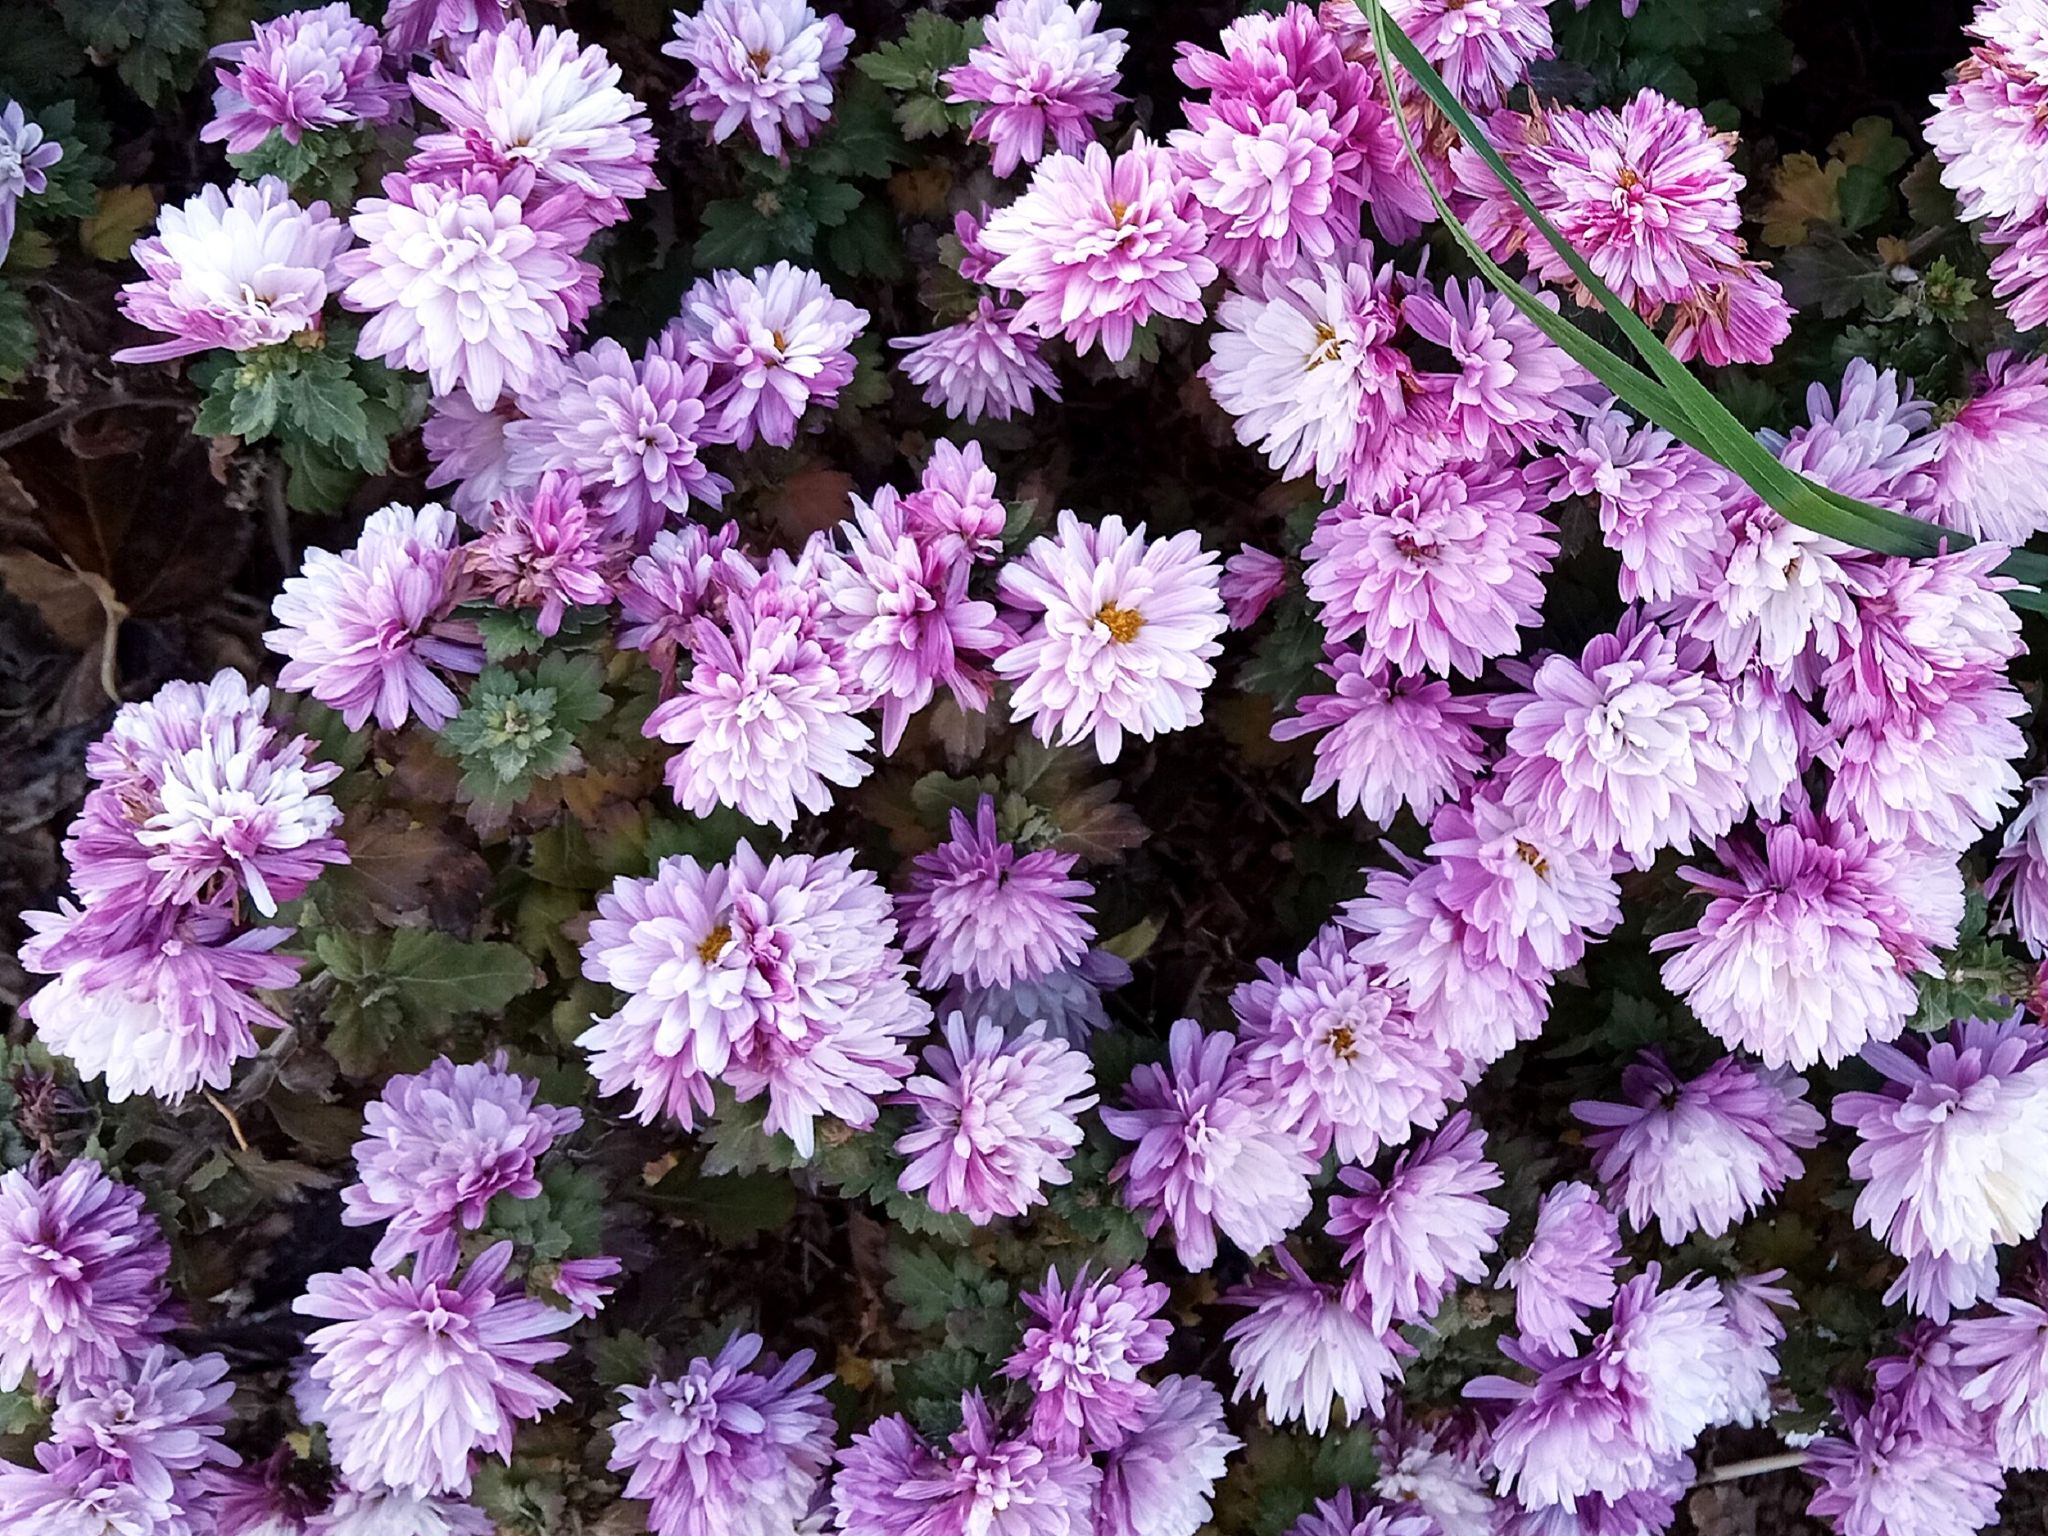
(1041, 70)
(411, 25)
(1568, 1268)
(1303, 1348)
(2022, 869)
(1532, 896)
(955, 504)
(1392, 741)
(2019, 277)
(989, 915)
(1988, 129)
(1265, 177)
(765, 65)
(1482, 48)
(1739, 318)
(472, 459)
(1160, 1481)
(547, 550)
(305, 72)
(777, 343)
(1991, 462)
(1251, 580)
(983, 366)
(1513, 386)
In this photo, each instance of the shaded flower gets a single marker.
(1265, 177)
(2004, 1359)
(1340, 1516)
(1041, 70)
(1251, 580)
(982, 366)
(152, 1422)
(765, 65)
(1303, 1347)
(685, 571)
(1568, 1268)
(470, 454)
(776, 343)
(2022, 869)
(410, 26)
(1511, 386)
(1068, 1001)
(989, 915)
(1081, 1360)
(1991, 459)
(1483, 49)
(955, 504)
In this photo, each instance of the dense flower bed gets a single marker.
(993, 801)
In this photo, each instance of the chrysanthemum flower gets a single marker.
(1303, 1348)
(475, 283)
(631, 431)
(780, 977)
(1925, 629)
(1991, 460)
(305, 72)
(1885, 1476)
(1988, 130)
(1741, 317)
(955, 504)
(981, 911)
(1251, 579)
(519, 97)
(1441, 579)
(1041, 70)
(440, 1145)
(1512, 387)
(1948, 1150)
(2006, 1361)
(766, 65)
(153, 1422)
(2022, 869)
(241, 269)
(82, 1268)
(368, 632)
(776, 343)
(1807, 949)
(1337, 1053)
(982, 366)
(1625, 749)
(411, 26)
(1699, 1155)
(1937, 776)
(1410, 1240)
(1160, 1480)
(890, 1482)
(420, 1372)
(25, 161)
(1923, 1383)
(1568, 1268)
(1533, 895)
(1081, 1359)
(1438, 1471)
(995, 1120)
(1776, 596)
(387, 1512)
(546, 549)
(2019, 277)
(1264, 175)
(63, 1501)
(1068, 1001)
(1340, 1516)
(1753, 1303)
(472, 459)
(1097, 247)
(735, 1446)
(1481, 49)
(1867, 439)
(1392, 741)
(685, 571)
(1126, 630)
(1208, 1156)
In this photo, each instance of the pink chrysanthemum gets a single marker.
(735, 1446)
(475, 283)
(240, 269)
(1265, 177)
(1948, 1148)
(1068, 1001)
(1208, 1157)
(305, 72)
(1624, 750)
(983, 366)
(1160, 1480)
(1251, 580)
(1082, 1358)
(545, 549)
(2019, 277)
(1568, 1268)
(25, 160)
(1041, 70)
(1098, 246)
(766, 65)
(2005, 1362)
(1699, 1155)
(420, 1372)
(779, 977)
(896, 610)
(1991, 461)
(82, 1269)
(1988, 130)
(1439, 1471)
(1532, 896)
(1887, 1476)
(981, 911)
(1338, 1054)
(777, 343)
(1125, 634)
(686, 571)
(440, 1145)
(1392, 741)
(1482, 49)
(1776, 596)
(1512, 387)
(368, 632)
(411, 26)
(1303, 1348)
(995, 1120)
(1340, 1516)
(1440, 580)
(955, 504)
(1409, 1240)
(2022, 869)
(152, 1423)
(519, 97)
(1807, 949)
(632, 431)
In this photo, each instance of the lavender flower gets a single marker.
(152, 1422)
(1068, 1002)
(1341, 1517)
(1568, 1268)
(1992, 454)
(545, 550)
(410, 26)
(1082, 1360)
(981, 366)
(1304, 1346)
(1530, 894)
(306, 72)
(470, 453)
(1392, 741)
(1886, 1476)
(685, 571)
(776, 343)
(387, 1512)
(988, 915)
(25, 161)
(1159, 1481)
(1265, 177)
(2022, 869)
(2005, 1360)
(1041, 70)
(767, 65)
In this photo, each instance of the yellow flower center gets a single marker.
(1123, 624)
(1534, 859)
(714, 943)
(1329, 347)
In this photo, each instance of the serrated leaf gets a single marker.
(867, 243)
(923, 1284)
(434, 976)
(731, 1207)
(1803, 191)
(118, 218)
(17, 334)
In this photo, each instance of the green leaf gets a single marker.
(1866, 197)
(864, 139)
(749, 232)
(563, 1221)
(731, 1207)
(434, 977)
(922, 1283)
(317, 479)
(319, 399)
(867, 243)
(153, 43)
(17, 334)
(517, 728)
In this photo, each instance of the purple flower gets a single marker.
(1068, 1002)
(1082, 1360)
(1885, 1476)
(1700, 1154)
(1098, 246)
(152, 1422)
(582, 1283)
(82, 1269)
(767, 65)
(387, 1512)
(1208, 1156)
(68, 1501)
(995, 1120)
(984, 913)
(2019, 277)
(268, 1497)
(1990, 465)
(1427, 1227)
(1265, 176)
(891, 1483)
(421, 1371)
(1125, 630)
(369, 631)
(1533, 895)
(1303, 1346)
(685, 571)
(631, 431)
(1392, 741)
(470, 453)
(1755, 1329)
(955, 504)
(1160, 1480)
(241, 269)
(737, 1444)
(776, 343)
(1568, 1268)
(440, 1145)
(2022, 869)
(1986, 129)
(1440, 580)
(1339, 1516)
(1482, 51)
(517, 97)
(25, 161)
(1947, 1151)
(2005, 1358)
(1440, 1472)
(779, 978)
(981, 366)
(895, 606)
(1251, 580)
(545, 550)
(303, 73)
(411, 25)
(1337, 1054)
(475, 283)
(1041, 70)
(1514, 387)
